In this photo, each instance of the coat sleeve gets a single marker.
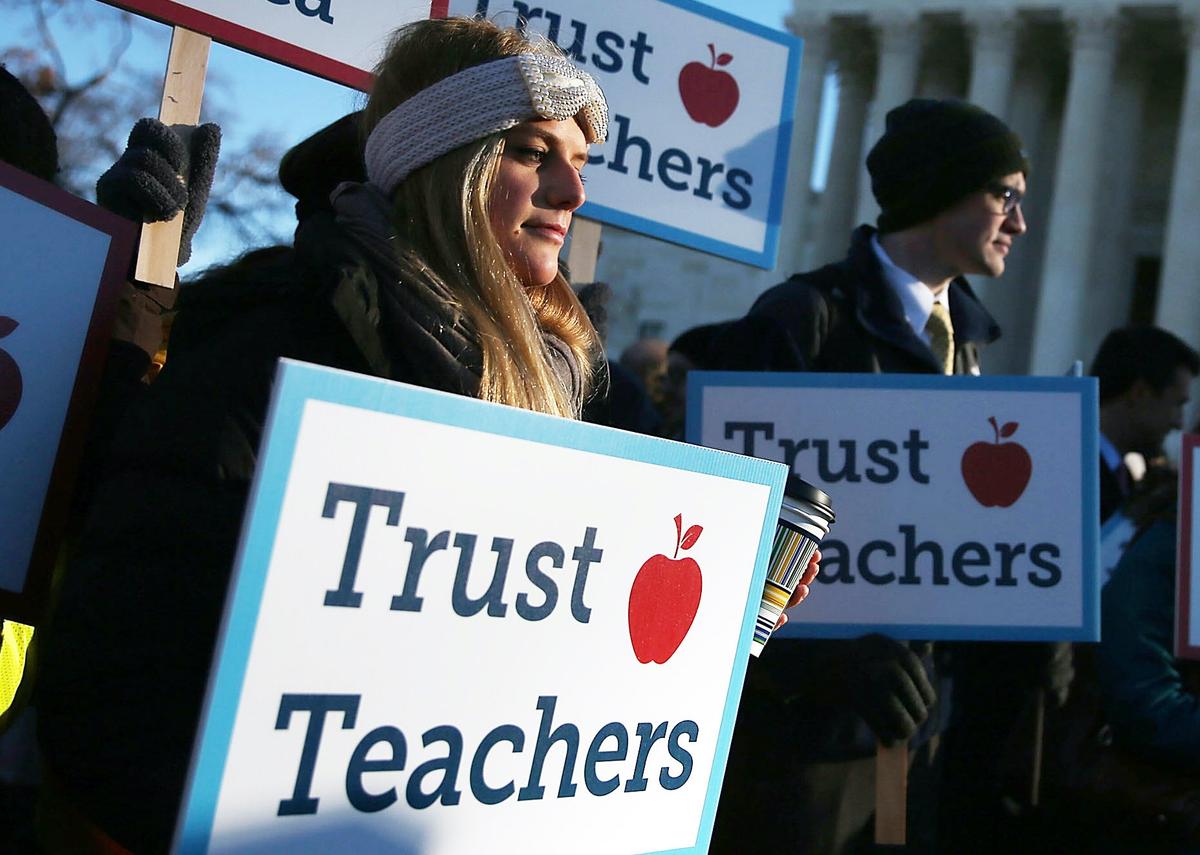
(1145, 696)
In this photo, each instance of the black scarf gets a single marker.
(408, 330)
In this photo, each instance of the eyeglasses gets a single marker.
(1008, 197)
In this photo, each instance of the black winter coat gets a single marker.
(844, 317)
(126, 660)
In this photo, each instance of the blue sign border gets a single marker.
(298, 383)
(1086, 387)
(767, 255)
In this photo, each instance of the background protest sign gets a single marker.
(442, 631)
(967, 507)
(701, 116)
(61, 268)
(340, 41)
(1187, 628)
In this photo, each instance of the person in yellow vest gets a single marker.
(14, 641)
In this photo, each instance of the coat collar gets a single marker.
(880, 312)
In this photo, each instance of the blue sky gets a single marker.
(266, 97)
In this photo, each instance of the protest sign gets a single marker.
(61, 268)
(337, 40)
(967, 506)
(701, 116)
(459, 627)
(1187, 627)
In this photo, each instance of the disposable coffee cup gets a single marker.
(804, 519)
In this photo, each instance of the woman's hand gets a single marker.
(801, 592)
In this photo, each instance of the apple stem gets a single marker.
(995, 428)
(713, 53)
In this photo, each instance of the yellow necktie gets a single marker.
(941, 337)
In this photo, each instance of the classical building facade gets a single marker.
(1106, 96)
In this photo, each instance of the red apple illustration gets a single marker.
(997, 472)
(664, 599)
(709, 95)
(10, 377)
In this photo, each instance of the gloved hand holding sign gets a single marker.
(160, 174)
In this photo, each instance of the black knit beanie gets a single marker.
(317, 165)
(932, 154)
(27, 139)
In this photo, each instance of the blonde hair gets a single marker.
(445, 234)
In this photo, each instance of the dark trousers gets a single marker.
(823, 808)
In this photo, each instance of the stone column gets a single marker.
(899, 39)
(835, 216)
(993, 51)
(1179, 290)
(797, 217)
(1064, 291)
(1113, 257)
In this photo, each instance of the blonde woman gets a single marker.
(441, 270)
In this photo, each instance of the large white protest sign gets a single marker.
(62, 261)
(336, 39)
(462, 627)
(967, 507)
(701, 116)
(1187, 599)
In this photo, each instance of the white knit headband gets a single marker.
(477, 101)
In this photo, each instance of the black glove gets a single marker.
(887, 685)
(147, 182)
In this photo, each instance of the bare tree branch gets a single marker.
(92, 114)
(69, 93)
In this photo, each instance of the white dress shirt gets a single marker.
(916, 297)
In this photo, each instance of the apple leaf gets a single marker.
(689, 539)
(1009, 429)
(7, 325)
(725, 59)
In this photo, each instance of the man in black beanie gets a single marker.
(949, 178)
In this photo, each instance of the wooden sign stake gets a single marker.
(183, 90)
(584, 251)
(891, 794)
(1039, 737)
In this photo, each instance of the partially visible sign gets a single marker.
(62, 261)
(701, 116)
(1187, 599)
(462, 627)
(335, 39)
(967, 507)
